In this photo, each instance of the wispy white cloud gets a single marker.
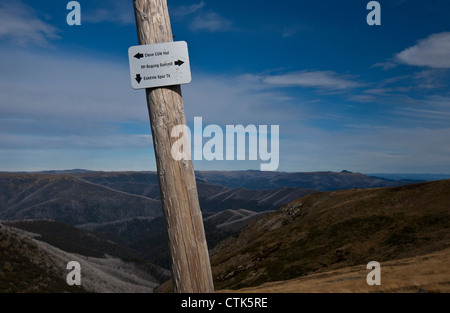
(21, 24)
(80, 103)
(431, 78)
(65, 142)
(200, 19)
(367, 149)
(405, 89)
(363, 98)
(227, 99)
(186, 9)
(210, 22)
(292, 30)
(433, 111)
(433, 51)
(70, 111)
(327, 80)
(386, 65)
(84, 87)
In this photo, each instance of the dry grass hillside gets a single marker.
(423, 274)
(329, 231)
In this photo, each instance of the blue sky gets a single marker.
(346, 95)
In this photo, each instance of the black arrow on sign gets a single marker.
(138, 78)
(139, 56)
(179, 62)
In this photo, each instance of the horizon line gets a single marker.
(246, 170)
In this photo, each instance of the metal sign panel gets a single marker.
(158, 65)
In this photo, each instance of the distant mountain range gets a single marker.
(412, 177)
(79, 197)
(68, 199)
(322, 181)
(232, 179)
(212, 197)
(104, 215)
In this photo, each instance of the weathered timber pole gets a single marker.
(191, 269)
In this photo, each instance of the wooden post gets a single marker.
(191, 269)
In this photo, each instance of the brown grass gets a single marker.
(426, 273)
(330, 231)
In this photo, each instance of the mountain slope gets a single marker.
(148, 239)
(332, 230)
(26, 268)
(212, 197)
(215, 198)
(74, 240)
(139, 183)
(68, 199)
(323, 181)
(232, 220)
(29, 265)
